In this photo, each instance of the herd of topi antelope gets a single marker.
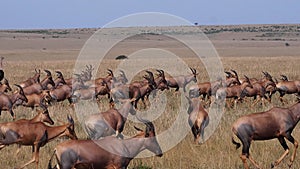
(106, 147)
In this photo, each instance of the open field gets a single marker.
(249, 49)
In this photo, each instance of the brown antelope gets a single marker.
(234, 91)
(34, 134)
(182, 81)
(42, 116)
(101, 80)
(32, 80)
(109, 122)
(208, 89)
(38, 87)
(288, 87)
(107, 153)
(36, 100)
(91, 92)
(257, 91)
(274, 123)
(5, 87)
(261, 89)
(133, 91)
(61, 93)
(160, 81)
(8, 101)
(198, 118)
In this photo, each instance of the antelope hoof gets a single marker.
(272, 165)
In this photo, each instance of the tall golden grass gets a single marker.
(217, 152)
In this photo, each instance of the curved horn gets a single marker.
(246, 77)
(284, 77)
(70, 119)
(48, 72)
(122, 72)
(162, 73)
(149, 125)
(234, 72)
(21, 89)
(228, 74)
(150, 74)
(59, 73)
(110, 72)
(193, 70)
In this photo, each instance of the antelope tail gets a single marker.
(237, 145)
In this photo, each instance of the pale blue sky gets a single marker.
(19, 14)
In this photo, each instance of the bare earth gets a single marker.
(269, 41)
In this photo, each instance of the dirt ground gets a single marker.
(233, 41)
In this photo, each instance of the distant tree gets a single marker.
(287, 44)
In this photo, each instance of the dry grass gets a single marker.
(217, 152)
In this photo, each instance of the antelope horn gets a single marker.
(58, 73)
(110, 72)
(228, 74)
(21, 89)
(48, 72)
(149, 125)
(122, 72)
(193, 70)
(234, 72)
(150, 74)
(70, 119)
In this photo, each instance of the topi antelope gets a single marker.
(234, 91)
(182, 81)
(36, 100)
(43, 85)
(109, 122)
(34, 134)
(275, 123)
(198, 118)
(133, 91)
(208, 89)
(32, 80)
(109, 152)
(288, 87)
(8, 101)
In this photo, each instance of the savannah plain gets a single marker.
(248, 49)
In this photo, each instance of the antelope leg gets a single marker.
(277, 162)
(286, 148)
(35, 157)
(244, 159)
(294, 153)
(253, 162)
